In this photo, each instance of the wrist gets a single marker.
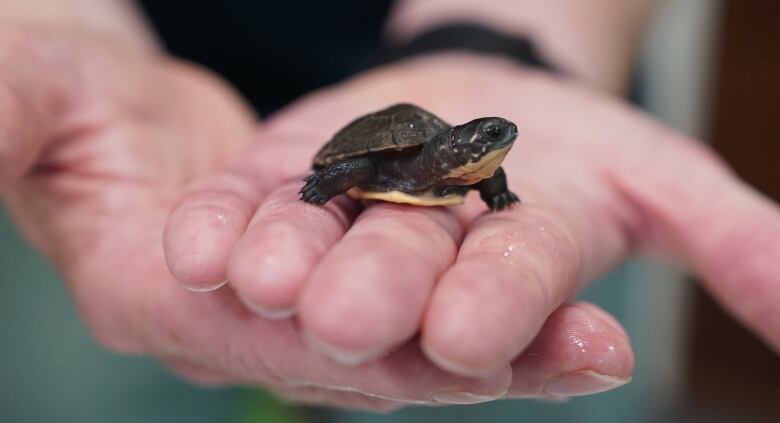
(440, 77)
(591, 40)
(472, 38)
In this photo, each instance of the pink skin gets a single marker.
(599, 182)
(112, 137)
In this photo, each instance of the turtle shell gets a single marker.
(398, 127)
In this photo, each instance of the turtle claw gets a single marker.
(503, 200)
(312, 191)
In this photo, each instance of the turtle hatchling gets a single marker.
(404, 154)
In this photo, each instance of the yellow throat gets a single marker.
(473, 172)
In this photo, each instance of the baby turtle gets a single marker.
(405, 154)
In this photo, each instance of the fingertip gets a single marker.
(369, 293)
(342, 328)
(285, 241)
(463, 335)
(269, 266)
(588, 340)
(199, 237)
(605, 317)
(355, 303)
(578, 352)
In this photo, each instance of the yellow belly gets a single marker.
(426, 199)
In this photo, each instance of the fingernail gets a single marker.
(463, 398)
(205, 288)
(452, 366)
(339, 355)
(268, 313)
(583, 382)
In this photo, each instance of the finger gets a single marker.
(524, 263)
(217, 333)
(36, 89)
(690, 204)
(208, 220)
(368, 294)
(580, 350)
(205, 225)
(284, 242)
(207, 334)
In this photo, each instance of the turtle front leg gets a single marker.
(336, 179)
(495, 193)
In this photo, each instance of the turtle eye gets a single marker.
(494, 131)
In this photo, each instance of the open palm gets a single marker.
(598, 180)
(98, 141)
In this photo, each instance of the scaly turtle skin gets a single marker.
(405, 154)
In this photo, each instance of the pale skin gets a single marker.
(100, 165)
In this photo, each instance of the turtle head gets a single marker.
(481, 139)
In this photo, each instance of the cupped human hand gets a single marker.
(599, 182)
(97, 142)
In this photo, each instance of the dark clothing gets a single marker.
(272, 51)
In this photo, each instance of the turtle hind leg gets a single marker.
(495, 192)
(325, 183)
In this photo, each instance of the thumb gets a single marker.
(693, 206)
(36, 76)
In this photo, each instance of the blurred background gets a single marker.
(708, 68)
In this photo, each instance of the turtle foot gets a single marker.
(502, 201)
(313, 191)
